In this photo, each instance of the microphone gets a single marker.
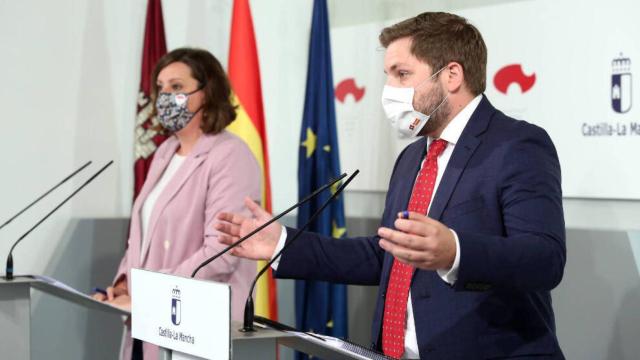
(307, 198)
(9, 267)
(248, 307)
(45, 194)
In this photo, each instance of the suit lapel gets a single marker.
(406, 174)
(409, 173)
(192, 162)
(464, 149)
(461, 155)
(466, 146)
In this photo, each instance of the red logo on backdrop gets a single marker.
(510, 74)
(348, 87)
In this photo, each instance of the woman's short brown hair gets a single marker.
(439, 38)
(217, 109)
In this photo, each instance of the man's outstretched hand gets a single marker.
(233, 226)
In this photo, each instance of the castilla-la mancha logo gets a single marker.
(621, 84)
(176, 307)
(346, 87)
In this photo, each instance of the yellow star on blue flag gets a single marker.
(310, 142)
(336, 231)
(319, 305)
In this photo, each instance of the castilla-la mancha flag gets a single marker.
(244, 74)
(147, 138)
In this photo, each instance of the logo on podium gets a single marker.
(176, 307)
(621, 84)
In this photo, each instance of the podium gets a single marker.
(15, 310)
(207, 327)
(190, 319)
(262, 343)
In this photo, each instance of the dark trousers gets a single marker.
(136, 354)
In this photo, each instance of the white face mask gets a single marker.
(398, 105)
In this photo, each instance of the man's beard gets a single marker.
(427, 103)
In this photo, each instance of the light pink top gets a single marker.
(216, 176)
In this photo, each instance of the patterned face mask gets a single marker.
(173, 114)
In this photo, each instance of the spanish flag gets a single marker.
(244, 74)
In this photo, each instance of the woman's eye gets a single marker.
(403, 74)
(176, 87)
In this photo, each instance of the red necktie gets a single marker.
(395, 305)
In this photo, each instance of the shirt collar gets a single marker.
(453, 130)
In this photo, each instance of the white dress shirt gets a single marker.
(451, 134)
(152, 198)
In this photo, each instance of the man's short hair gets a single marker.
(439, 38)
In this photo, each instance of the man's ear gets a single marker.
(454, 77)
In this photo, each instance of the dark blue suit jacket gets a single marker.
(501, 193)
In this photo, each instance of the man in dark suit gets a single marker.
(472, 238)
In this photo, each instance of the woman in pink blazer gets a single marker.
(197, 172)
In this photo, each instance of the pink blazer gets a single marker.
(216, 176)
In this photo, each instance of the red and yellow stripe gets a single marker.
(244, 74)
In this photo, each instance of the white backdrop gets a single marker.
(71, 74)
(569, 47)
(71, 71)
(367, 140)
(571, 56)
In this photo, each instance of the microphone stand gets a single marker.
(249, 308)
(45, 194)
(309, 197)
(9, 267)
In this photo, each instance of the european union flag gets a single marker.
(320, 306)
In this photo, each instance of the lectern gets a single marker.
(15, 310)
(190, 319)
